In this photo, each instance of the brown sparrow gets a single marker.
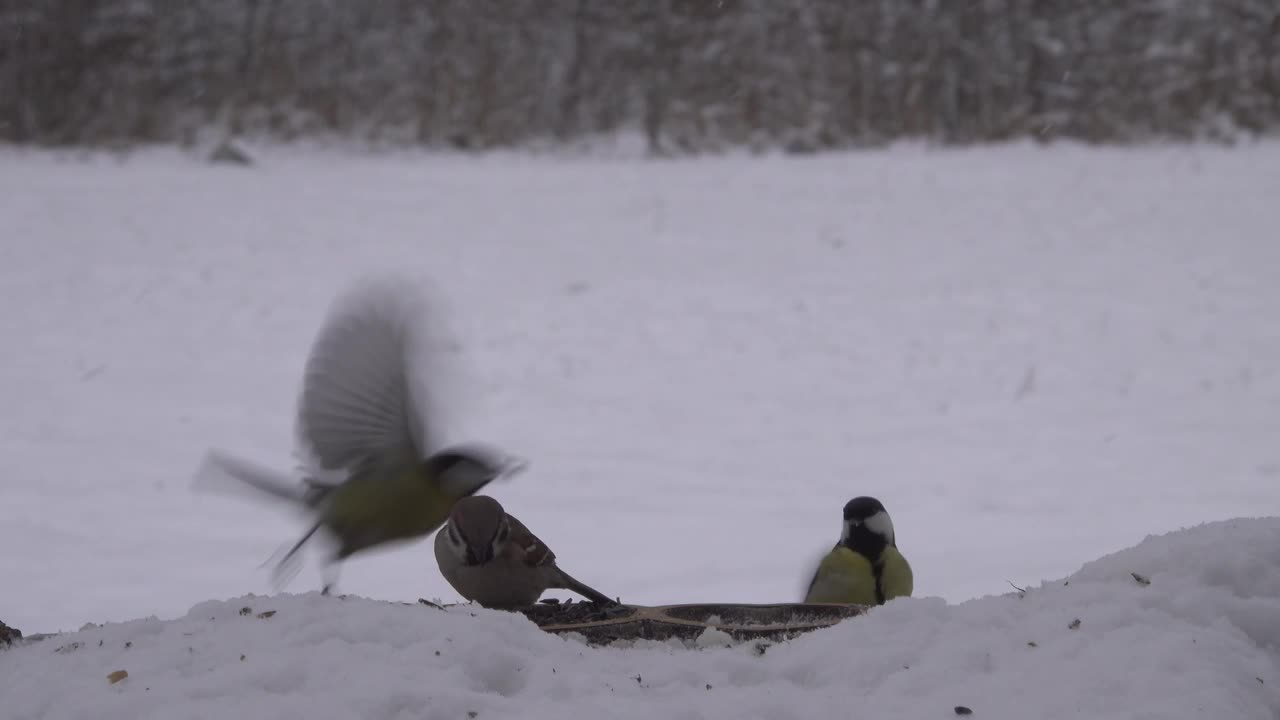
(491, 558)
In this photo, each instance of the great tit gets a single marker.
(491, 558)
(865, 567)
(374, 471)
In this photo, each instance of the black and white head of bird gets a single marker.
(463, 470)
(477, 529)
(863, 515)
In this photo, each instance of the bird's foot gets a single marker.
(328, 578)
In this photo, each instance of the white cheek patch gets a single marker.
(454, 538)
(881, 525)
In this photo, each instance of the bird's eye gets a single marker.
(453, 535)
(503, 533)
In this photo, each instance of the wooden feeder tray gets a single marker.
(601, 625)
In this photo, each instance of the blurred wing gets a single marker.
(357, 405)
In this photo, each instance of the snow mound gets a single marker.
(1183, 625)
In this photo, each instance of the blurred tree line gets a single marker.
(692, 75)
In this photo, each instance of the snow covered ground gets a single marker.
(1033, 356)
(1202, 640)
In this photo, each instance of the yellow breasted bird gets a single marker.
(865, 567)
(374, 471)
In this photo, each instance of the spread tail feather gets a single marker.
(568, 582)
(222, 472)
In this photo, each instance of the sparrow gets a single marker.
(374, 471)
(491, 558)
(864, 567)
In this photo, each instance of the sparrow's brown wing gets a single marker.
(535, 553)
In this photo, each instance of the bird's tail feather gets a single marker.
(568, 582)
(225, 473)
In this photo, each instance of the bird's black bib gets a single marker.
(870, 546)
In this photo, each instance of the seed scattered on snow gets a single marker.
(117, 676)
(1142, 580)
(267, 614)
(1074, 624)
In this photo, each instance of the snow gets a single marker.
(1033, 356)
(1201, 640)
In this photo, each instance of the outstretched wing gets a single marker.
(357, 407)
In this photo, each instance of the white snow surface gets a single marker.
(1033, 356)
(1201, 640)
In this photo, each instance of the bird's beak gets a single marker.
(480, 555)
